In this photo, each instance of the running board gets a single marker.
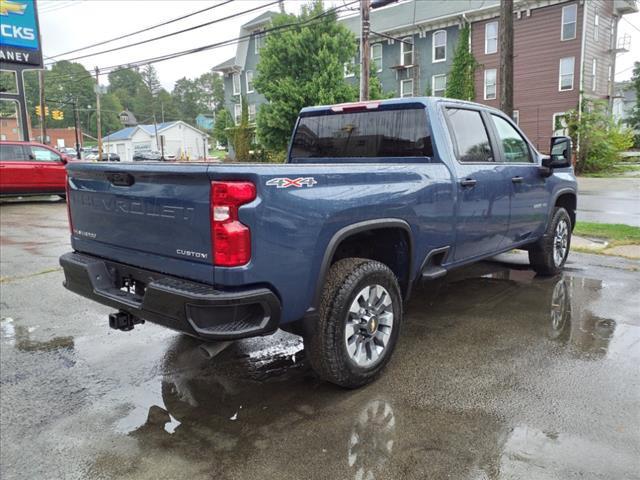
(431, 267)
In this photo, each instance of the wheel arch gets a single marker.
(568, 199)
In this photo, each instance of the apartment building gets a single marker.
(564, 51)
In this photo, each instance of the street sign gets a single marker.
(20, 33)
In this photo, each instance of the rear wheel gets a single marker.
(360, 316)
(549, 255)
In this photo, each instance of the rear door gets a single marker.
(529, 196)
(482, 219)
(49, 172)
(16, 169)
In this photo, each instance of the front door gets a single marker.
(482, 219)
(529, 196)
(49, 174)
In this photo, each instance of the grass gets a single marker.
(615, 171)
(615, 233)
(221, 154)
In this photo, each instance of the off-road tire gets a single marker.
(325, 347)
(541, 255)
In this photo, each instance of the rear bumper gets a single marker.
(193, 308)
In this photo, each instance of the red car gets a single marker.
(29, 168)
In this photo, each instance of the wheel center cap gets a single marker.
(372, 325)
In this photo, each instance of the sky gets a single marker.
(69, 24)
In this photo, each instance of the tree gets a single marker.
(634, 119)
(110, 108)
(204, 94)
(461, 80)
(301, 66)
(241, 136)
(150, 79)
(223, 121)
(124, 84)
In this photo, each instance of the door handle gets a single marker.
(517, 179)
(468, 182)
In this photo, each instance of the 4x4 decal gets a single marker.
(284, 182)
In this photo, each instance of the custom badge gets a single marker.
(283, 182)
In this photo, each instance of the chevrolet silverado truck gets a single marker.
(374, 197)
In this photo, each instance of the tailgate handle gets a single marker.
(121, 179)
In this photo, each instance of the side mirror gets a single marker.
(64, 159)
(560, 153)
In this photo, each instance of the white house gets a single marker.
(180, 140)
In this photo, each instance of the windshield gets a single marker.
(367, 134)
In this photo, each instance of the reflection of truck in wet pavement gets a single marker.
(374, 198)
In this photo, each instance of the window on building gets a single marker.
(366, 134)
(596, 26)
(259, 39)
(514, 147)
(566, 73)
(516, 117)
(594, 75)
(491, 37)
(236, 84)
(237, 113)
(249, 77)
(406, 88)
(406, 51)
(490, 84)
(469, 136)
(376, 56)
(560, 124)
(252, 113)
(569, 22)
(438, 85)
(349, 68)
(439, 53)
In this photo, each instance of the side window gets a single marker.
(516, 149)
(470, 136)
(44, 155)
(12, 153)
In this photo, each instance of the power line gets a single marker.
(195, 27)
(152, 60)
(141, 31)
(634, 26)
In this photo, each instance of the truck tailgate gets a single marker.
(158, 210)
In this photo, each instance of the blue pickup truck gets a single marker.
(374, 198)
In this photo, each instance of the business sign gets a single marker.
(19, 33)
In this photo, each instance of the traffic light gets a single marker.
(57, 115)
(39, 111)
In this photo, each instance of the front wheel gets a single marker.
(549, 255)
(359, 322)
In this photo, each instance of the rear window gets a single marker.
(12, 153)
(369, 134)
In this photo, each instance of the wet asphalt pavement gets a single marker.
(497, 375)
(609, 200)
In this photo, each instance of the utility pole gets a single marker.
(364, 49)
(98, 125)
(43, 109)
(155, 127)
(76, 117)
(506, 56)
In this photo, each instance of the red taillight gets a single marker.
(231, 240)
(68, 200)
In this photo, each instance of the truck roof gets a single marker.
(392, 103)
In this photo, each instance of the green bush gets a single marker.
(599, 139)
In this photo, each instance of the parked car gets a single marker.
(29, 168)
(375, 197)
(108, 157)
(147, 157)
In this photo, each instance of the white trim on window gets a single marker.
(561, 131)
(594, 74)
(376, 58)
(252, 113)
(349, 70)
(442, 90)
(490, 82)
(439, 40)
(516, 117)
(258, 41)
(596, 26)
(566, 73)
(235, 79)
(237, 113)
(490, 38)
(566, 9)
(403, 89)
(406, 48)
(248, 77)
